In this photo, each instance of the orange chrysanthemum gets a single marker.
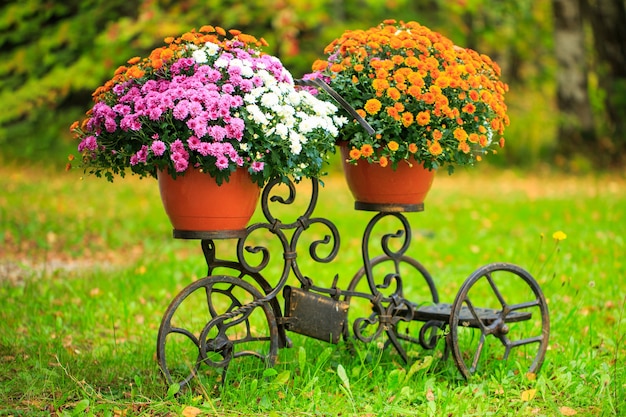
(393, 93)
(355, 154)
(393, 113)
(367, 150)
(460, 134)
(407, 119)
(372, 106)
(423, 118)
(435, 148)
(320, 65)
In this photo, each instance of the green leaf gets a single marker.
(80, 407)
(173, 390)
(282, 378)
(343, 376)
(419, 365)
(301, 359)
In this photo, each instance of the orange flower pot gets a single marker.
(385, 189)
(195, 203)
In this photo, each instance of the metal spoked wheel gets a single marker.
(211, 322)
(409, 276)
(513, 310)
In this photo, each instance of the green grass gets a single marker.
(88, 268)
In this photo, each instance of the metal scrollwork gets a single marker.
(225, 324)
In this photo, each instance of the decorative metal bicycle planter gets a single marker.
(234, 312)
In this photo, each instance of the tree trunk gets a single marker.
(608, 21)
(576, 129)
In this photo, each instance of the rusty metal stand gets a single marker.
(216, 333)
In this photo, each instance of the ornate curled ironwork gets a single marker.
(321, 312)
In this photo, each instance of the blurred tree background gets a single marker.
(565, 61)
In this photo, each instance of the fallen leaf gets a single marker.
(430, 395)
(567, 411)
(190, 411)
(529, 394)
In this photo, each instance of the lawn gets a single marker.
(88, 268)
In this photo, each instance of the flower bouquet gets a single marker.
(426, 99)
(211, 101)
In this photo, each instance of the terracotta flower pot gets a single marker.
(197, 207)
(384, 189)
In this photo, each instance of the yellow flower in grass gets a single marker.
(559, 235)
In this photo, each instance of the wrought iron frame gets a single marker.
(330, 304)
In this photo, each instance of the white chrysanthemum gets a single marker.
(257, 115)
(331, 126)
(199, 56)
(303, 115)
(253, 96)
(323, 108)
(293, 98)
(340, 120)
(268, 79)
(288, 120)
(309, 124)
(295, 142)
(221, 63)
(235, 62)
(270, 100)
(285, 111)
(247, 71)
(282, 130)
(211, 48)
(285, 89)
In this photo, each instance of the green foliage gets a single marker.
(47, 61)
(54, 54)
